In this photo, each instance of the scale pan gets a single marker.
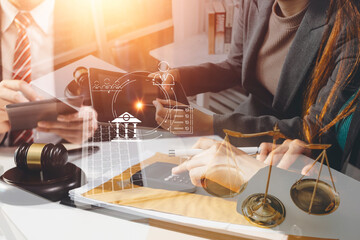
(326, 199)
(223, 181)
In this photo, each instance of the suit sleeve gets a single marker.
(293, 128)
(211, 77)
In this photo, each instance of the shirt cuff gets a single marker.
(3, 138)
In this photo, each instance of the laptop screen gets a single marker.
(115, 93)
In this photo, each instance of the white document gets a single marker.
(54, 84)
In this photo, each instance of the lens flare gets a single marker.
(139, 105)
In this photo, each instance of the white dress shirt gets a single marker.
(41, 36)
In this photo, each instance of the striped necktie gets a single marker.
(22, 69)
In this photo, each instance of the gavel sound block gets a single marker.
(43, 169)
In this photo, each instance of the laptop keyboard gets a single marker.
(109, 158)
(104, 133)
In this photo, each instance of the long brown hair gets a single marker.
(346, 24)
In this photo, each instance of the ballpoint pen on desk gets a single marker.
(192, 152)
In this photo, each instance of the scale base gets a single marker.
(268, 214)
(53, 186)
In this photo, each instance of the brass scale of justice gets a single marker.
(313, 196)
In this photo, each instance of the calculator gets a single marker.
(158, 175)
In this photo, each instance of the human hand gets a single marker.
(74, 128)
(14, 91)
(166, 118)
(286, 154)
(217, 154)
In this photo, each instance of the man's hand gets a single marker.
(169, 118)
(74, 128)
(13, 91)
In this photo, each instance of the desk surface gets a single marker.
(84, 223)
(296, 222)
(25, 216)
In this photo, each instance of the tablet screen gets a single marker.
(27, 115)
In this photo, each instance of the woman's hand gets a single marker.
(216, 154)
(175, 118)
(286, 154)
(74, 128)
(222, 153)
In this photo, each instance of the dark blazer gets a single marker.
(352, 147)
(261, 111)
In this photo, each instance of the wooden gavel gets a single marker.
(37, 157)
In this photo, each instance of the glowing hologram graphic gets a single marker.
(164, 74)
(125, 119)
(183, 123)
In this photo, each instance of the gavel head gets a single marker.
(81, 76)
(40, 156)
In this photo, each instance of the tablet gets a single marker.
(115, 93)
(24, 116)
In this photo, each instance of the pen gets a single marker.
(90, 149)
(180, 107)
(192, 152)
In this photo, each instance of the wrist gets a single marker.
(209, 125)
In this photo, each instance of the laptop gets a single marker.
(116, 145)
(114, 93)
